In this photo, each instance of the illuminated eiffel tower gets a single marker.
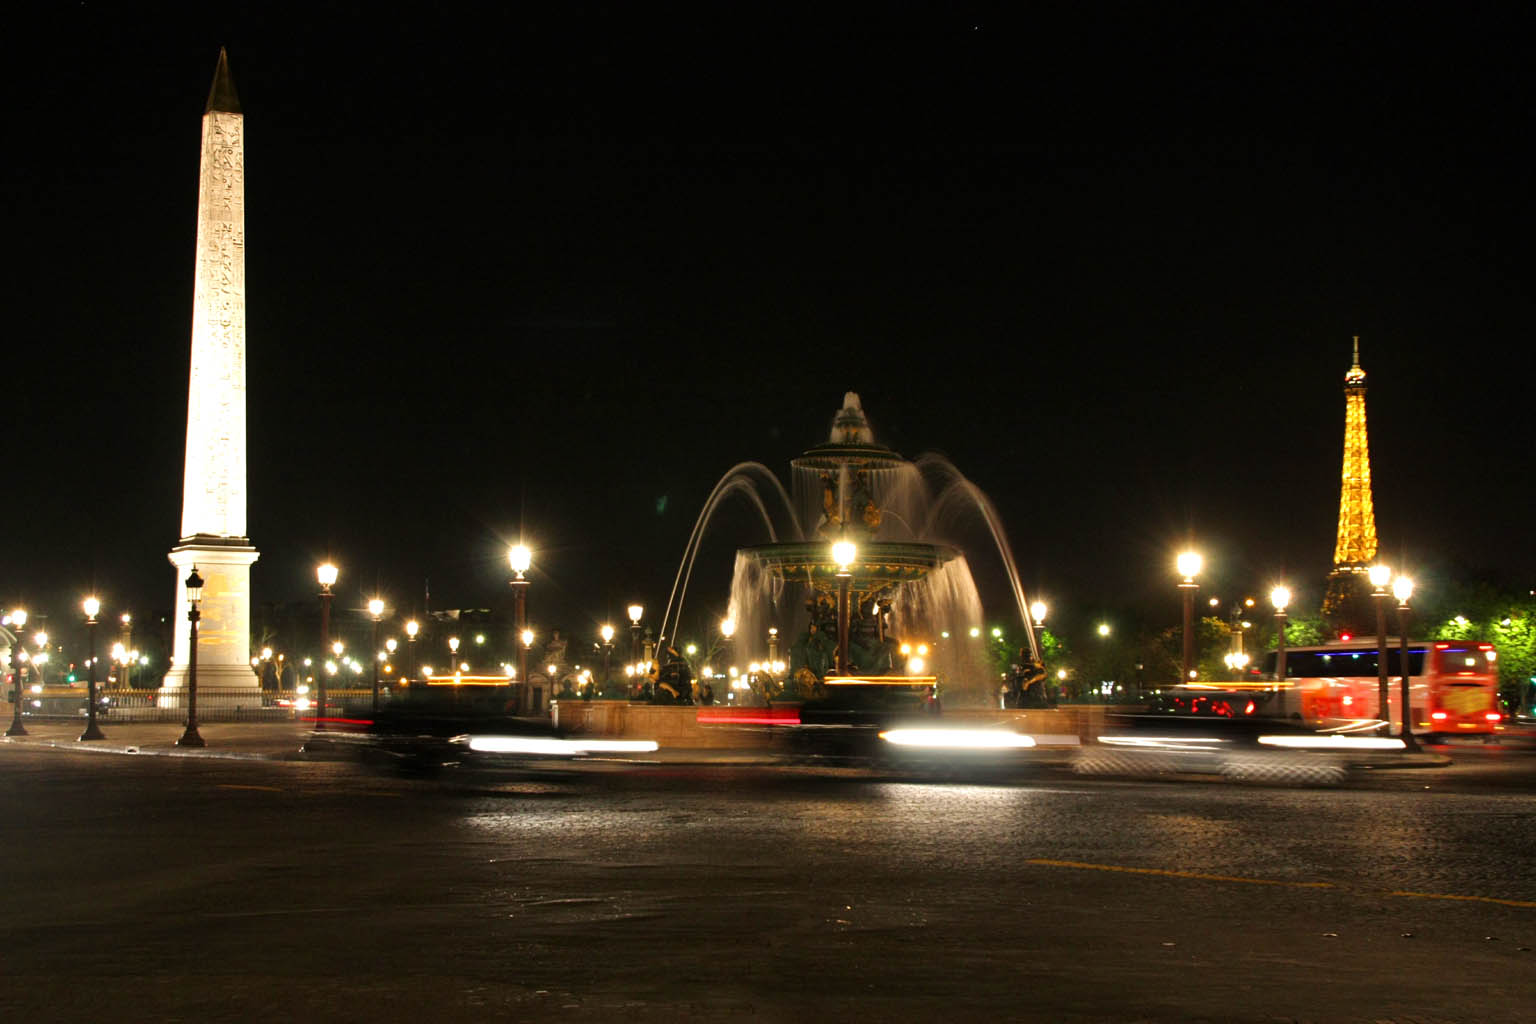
(1346, 603)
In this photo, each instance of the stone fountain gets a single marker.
(890, 629)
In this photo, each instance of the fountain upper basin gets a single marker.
(879, 563)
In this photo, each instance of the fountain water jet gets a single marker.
(737, 480)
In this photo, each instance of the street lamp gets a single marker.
(635, 612)
(1189, 565)
(1037, 612)
(607, 634)
(376, 610)
(326, 573)
(843, 553)
(1402, 589)
(1104, 629)
(453, 652)
(18, 623)
(520, 558)
(1280, 597)
(1380, 576)
(92, 607)
(411, 629)
(191, 737)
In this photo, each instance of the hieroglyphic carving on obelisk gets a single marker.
(213, 528)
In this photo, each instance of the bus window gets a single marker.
(1465, 661)
(1343, 662)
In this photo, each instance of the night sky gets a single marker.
(555, 273)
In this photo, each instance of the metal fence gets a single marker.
(214, 704)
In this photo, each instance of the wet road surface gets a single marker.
(169, 888)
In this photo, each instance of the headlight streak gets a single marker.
(1165, 742)
(958, 739)
(544, 745)
(1356, 725)
(1334, 742)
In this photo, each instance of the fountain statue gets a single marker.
(879, 608)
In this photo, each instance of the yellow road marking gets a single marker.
(1469, 899)
(1083, 865)
(1178, 874)
(262, 789)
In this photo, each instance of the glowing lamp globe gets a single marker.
(520, 558)
(844, 552)
(1189, 564)
(1280, 597)
(412, 628)
(1380, 576)
(326, 573)
(607, 634)
(91, 606)
(1402, 589)
(635, 611)
(376, 608)
(1038, 611)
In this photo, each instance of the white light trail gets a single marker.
(960, 739)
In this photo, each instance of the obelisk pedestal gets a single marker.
(213, 530)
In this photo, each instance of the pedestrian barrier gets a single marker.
(214, 704)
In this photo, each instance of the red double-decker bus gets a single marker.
(1452, 686)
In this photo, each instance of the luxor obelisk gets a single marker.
(213, 529)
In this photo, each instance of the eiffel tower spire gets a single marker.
(1357, 518)
(1346, 604)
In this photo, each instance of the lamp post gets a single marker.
(1037, 612)
(1280, 597)
(1380, 576)
(635, 613)
(453, 653)
(376, 610)
(411, 629)
(843, 553)
(521, 559)
(326, 573)
(1189, 564)
(1402, 589)
(191, 737)
(18, 619)
(773, 643)
(92, 606)
(607, 634)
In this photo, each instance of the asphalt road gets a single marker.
(160, 888)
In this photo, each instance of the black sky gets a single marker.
(562, 270)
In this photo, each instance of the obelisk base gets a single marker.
(224, 674)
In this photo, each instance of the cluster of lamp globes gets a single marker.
(16, 619)
(1189, 564)
(520, 559)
